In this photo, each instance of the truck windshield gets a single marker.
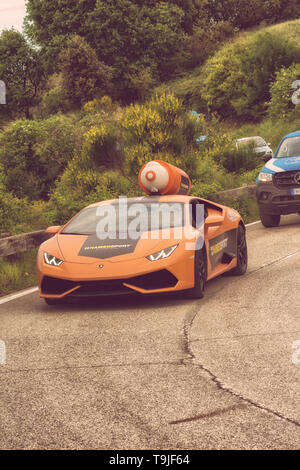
(289, 148)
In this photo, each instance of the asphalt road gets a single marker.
(161, 373)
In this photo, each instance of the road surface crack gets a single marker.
(192, 360)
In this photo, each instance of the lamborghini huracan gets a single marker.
(104, 250)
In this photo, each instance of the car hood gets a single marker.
(276, 165)
(89, 248)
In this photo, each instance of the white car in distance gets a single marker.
(261, 148)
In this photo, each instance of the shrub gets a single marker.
(237, 79)
(19, 215)
(141, 82)
(102, 148)
(163, 124)
(96, 105)
(80, 186)
(281, 92)
(34, 154)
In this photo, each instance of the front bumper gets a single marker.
(275, 201)
(138, 276)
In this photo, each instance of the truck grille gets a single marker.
(287, 179)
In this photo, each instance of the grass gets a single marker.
(17, 272)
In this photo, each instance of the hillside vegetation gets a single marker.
(80, 136)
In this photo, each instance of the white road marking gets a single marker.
(253, 223)
(22, 293)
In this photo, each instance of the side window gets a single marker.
(193, 212)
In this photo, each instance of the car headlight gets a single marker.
(52, 260)
(265, 177)
(165, 253)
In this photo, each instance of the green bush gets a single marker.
(281, 92)
(239, 160)
(81, 185)
(34, 153)
(163, 124)
(102, 149)
(236, 81)
(19, 215)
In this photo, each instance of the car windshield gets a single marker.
(289, 148)
(118, 218)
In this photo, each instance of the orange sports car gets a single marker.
(166, 241)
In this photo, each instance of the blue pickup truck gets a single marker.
(278, 184)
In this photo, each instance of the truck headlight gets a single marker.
(165, 253)
(52, 260)
(265, 177)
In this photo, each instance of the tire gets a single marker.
(242, 253)
(53, 301)
(269, 220)
(200, 275)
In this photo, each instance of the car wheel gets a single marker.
(200, 275)
(269, 220)
(53, 301)
(241, 254)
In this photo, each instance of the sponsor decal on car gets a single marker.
(103, 247)
(92, 248)
(215, 249)
(231, 216)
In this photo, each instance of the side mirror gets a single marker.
(214, 220)
(268, 157)
(53, 229)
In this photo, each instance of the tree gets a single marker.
(84, 77)
(21, 71)
(128, 35)
(247, 13)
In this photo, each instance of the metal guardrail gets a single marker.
(19, 243)
(236, 193)
(24, 242)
